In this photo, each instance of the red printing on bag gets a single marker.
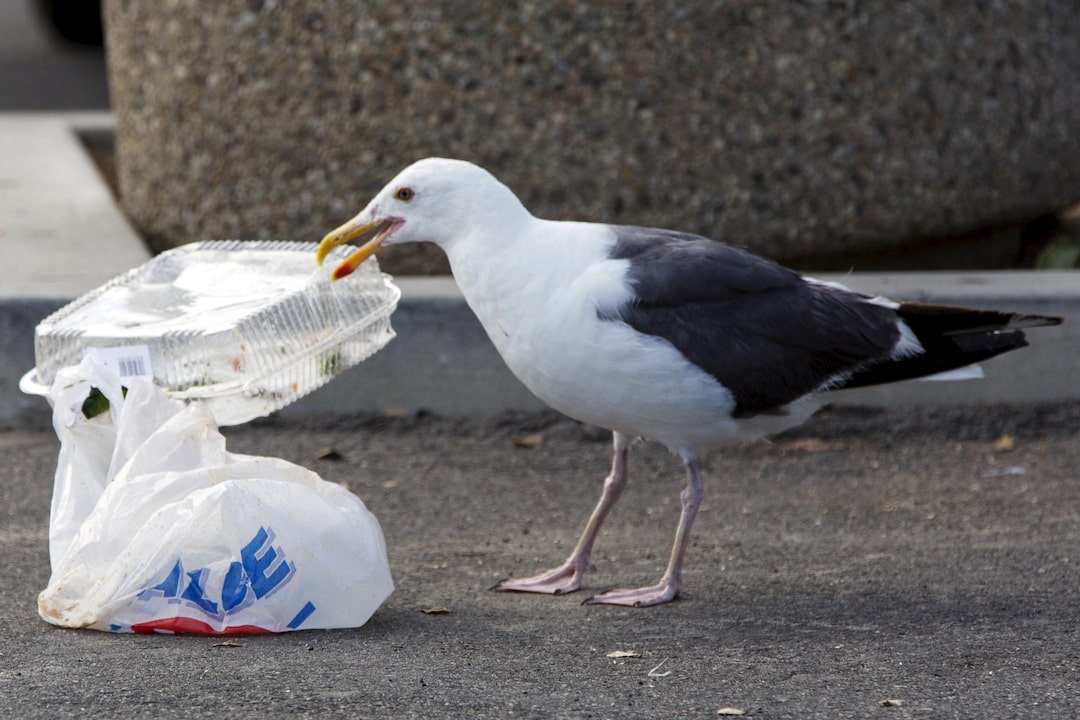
(190, 626)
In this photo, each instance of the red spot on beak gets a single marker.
(341, 271)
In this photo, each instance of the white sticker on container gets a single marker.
(125, 360)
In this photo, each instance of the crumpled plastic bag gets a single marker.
(155, 526)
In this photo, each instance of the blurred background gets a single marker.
(51, 56)
(817, 140)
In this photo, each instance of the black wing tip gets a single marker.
(1029, 321)
(957, 320)
(952, 337)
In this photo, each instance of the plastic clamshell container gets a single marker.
(246, 327)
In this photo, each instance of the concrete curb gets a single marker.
(64, 232)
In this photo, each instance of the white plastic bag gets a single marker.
(156, 527)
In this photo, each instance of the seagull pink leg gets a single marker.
(668, 588)
(566, 578)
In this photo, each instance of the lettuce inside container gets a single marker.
(246, 327)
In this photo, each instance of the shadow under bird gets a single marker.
(659, 334)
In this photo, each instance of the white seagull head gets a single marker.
(436, 200)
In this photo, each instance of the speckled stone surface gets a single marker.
(791, 128)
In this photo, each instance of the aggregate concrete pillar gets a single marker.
(791, 128)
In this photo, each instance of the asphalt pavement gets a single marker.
(901, 564)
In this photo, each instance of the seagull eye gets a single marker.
(404, 194)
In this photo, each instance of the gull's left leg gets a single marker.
(668, 588)
(566, 578)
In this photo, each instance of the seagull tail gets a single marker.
(951, 338)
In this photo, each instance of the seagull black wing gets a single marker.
(770, 336)
(760, 329)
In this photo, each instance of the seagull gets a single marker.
(658, 334)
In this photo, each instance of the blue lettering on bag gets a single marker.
(304, 614)
(169, 587)
(256, 567)
(195, 594)
(261, 570)
(235, 590)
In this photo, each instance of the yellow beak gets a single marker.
(345, 233)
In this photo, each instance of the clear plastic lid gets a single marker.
(247, 327)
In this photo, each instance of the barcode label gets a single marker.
(126, 361)
(129, 366)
